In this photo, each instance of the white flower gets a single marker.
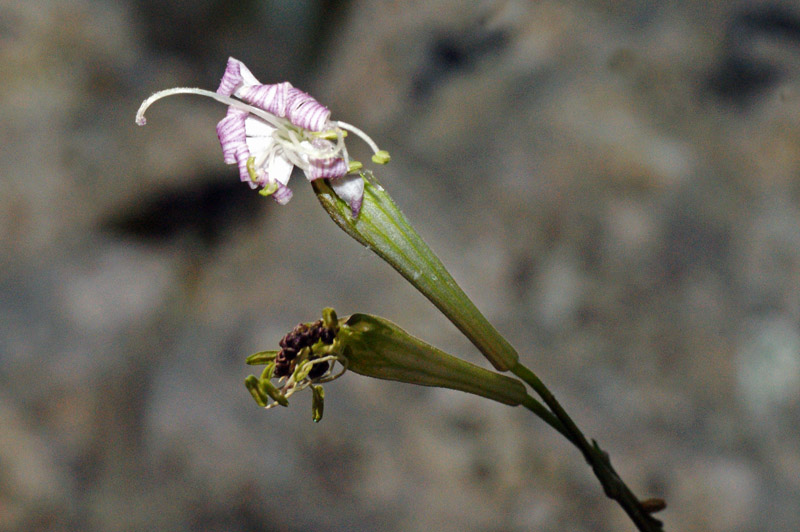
(270, 129)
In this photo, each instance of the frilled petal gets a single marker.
(231, 133)
(350, 188)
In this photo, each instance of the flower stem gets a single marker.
(384, 229)
(542, 412)
(613, 486)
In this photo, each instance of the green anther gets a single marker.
(251, 382)
(262, 357)
(317, 402)
(381, 157)
(251, 169)
(266, 387)
(268, 371)
(269, 190)
(354, 166)
(329, 135)
(303, 354)
(302, 371)
(329, 319)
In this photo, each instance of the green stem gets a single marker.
(613, 485)
(537, 408)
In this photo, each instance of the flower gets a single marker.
(270, 129)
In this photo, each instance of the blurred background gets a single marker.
(616, 184)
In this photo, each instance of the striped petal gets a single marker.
(272, 98)
(282, 195)
(325, 167)
(231, 133)
(236, 75)
(329, 168)
(306, 112)
(242, 155)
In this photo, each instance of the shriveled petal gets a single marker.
(236, 75)
(231, 133)
(306, 112)
(271, 98)
(350, 188)
(280, 99)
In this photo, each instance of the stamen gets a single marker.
(290, 150)
(364, 136)
(340, 148)
(297, 143)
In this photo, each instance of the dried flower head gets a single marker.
(308, 356)
(270, 129)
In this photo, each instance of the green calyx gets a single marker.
(375, 347)
(384, 229)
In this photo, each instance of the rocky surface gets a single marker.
(616, 184)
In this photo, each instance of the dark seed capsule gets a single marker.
(318, 370)
(327, 336)
(283, 367)
(287, 353)
(292, 342)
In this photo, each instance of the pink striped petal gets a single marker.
(236, 75)
(242, 155)
(329, 168)
(306, 112)
(231, 133)
(282, 195)
(325, 167)
(271, 98)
